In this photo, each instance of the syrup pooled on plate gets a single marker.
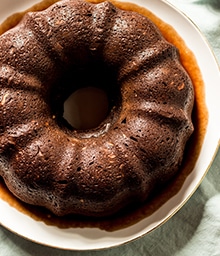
(133, 214)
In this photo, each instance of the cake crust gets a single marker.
(139, 146)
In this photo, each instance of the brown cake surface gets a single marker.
(140, 144)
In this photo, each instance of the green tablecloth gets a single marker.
(195, 229)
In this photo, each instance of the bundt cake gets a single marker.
(140, 144)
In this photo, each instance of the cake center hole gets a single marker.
(86, 108)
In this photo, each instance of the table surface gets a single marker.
(195, 229)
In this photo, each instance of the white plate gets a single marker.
(94, 238)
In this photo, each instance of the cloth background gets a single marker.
(195, 229)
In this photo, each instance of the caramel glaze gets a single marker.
(134, 213)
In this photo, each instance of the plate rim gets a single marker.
(187, 19)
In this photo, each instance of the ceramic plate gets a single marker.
(95, 238)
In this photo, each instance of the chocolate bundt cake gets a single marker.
(140, 144)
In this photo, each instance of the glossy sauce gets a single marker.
(135, 213)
